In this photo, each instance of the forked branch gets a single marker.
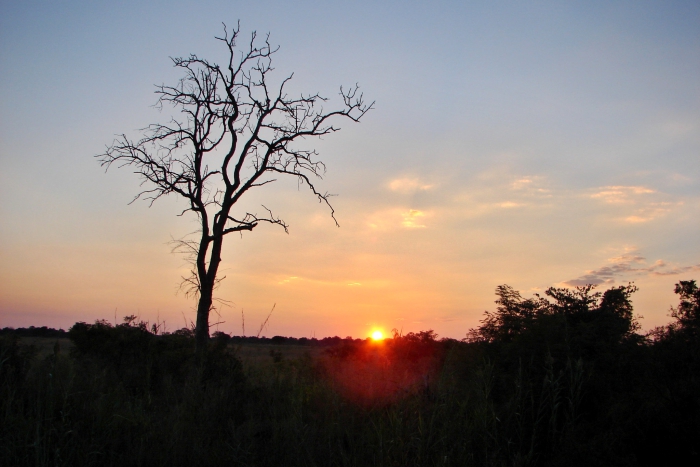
(231, 132)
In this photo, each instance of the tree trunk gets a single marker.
(207, 281)
(201, 332)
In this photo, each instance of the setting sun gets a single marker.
(377, 335)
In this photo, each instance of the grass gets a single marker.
(124, 397)
(304, 408)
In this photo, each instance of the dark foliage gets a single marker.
(280, 340)
(558, 380)
(32, 331)
(15, 361)
(611, 396)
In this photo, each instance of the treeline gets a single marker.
(33, 331)
(281, 340)
(132, 321)
(562, 379)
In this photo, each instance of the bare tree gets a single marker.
(235, 133)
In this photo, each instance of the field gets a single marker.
(536, 385)
(264, 356)
(45, 346)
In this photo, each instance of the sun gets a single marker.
(377, 335)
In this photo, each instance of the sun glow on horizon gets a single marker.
(377, 335)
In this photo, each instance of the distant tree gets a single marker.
(607, 315)
(573, 301)
(236, 132)
(688, 312)
(686, 315)
(617, 301)
(513, 315)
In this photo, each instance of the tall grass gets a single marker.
(131, 398)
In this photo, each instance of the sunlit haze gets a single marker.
(534, 144)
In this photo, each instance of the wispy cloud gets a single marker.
(409, 185)
(673, 270)
(288, 280)
(521, 183)
(531, 185)
(650, 212)
(325, 282)
(390, 219)
(509, 204)
(493, 193)
(412, 219)
(621, 194)
(628, 265)
(635, 204)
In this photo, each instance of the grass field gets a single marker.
(265, 355)
(45, 346)
(548, 386)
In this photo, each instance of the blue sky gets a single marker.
(533, 144)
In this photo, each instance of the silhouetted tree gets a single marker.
(607, 314)
(687, 316)
(688, 312)
(512, 316)
(236, 132)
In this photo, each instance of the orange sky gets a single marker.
(528, 145)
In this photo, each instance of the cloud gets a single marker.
(411, 219)
(288, 280)
(509, 204)
(493, 193)
(627, 258)
(408, 185)
(676, 270)
(650, 212)
(635, 204)
(390, 219)
(334, 283)
(521, 183)
(628, 265)
(446, 319)
(621, 194)
(530, 185)
(680, 178)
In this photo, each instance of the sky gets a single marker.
(534, 144)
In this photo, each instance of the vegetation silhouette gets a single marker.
(560, 379)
